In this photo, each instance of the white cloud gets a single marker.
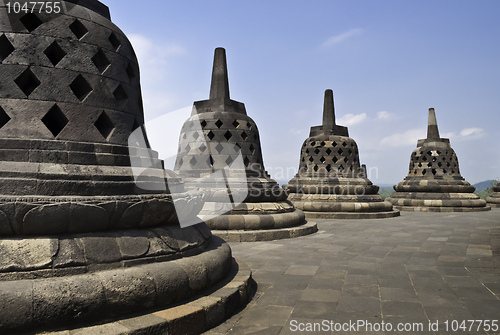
(152, 56)
(384, 115)
(148, 50)
(341, 37)
(407, 138)
(410, 137)
(163, 133)
(350, 119)
(448, 135)
(295, 131)
(473, 132)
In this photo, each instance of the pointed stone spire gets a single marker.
(432, 128)
(328, 111)
(220, 82)
(329, 125)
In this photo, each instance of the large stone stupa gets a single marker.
(220, 151)
(81, 240)
(434, 182)
(331, 183)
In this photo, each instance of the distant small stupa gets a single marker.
(220, 151)
(331, 183)
(434, 182)
(494, 198)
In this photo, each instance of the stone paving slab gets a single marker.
(416, 269)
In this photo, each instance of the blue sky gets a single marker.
(387, 62)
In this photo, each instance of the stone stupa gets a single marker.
(218, 135)
(330, 182)
(82, 242)
(494, 198)
(434, 182)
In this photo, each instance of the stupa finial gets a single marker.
(328, 111)
(220, 81)
(432, 127)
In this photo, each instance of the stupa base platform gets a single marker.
(265, 221)
(438, 202)
(266, 234)
(494, 199)
(352, 215)
(102, 290)
(335, 206)
(202, 313)
(493, 205)
(442, 209)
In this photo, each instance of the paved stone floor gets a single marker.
(415, 269)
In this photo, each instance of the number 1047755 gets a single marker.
(34, 7)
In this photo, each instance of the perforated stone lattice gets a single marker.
(78, 29)
(80, 87)
(438, 162)
(27, 82)
(6, 48)
(30, 21)
(4, 118)
(115, 42)
(101, 61)
(55, 120)
(237, 131)
(69, 73)
(54, 53)
(335, 155)
(104, 125)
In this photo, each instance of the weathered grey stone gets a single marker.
(172, 283)
(188, 320)
(148, 324)
(157, 246)
(148, 213)
(331, 179)
(17, 304)
(5, 227)
(133, 244)
(65, 217)
(434, 182)
(218, 133)
(494, 198)
(67, 298)
(77, 238)
(100, 249)
(71, 253)
(26, 254)
(130, 288)
(168, 238)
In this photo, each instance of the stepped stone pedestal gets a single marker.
(83, 240)
(494, 198)
(331, 183)
(219, 151)
(434, 182)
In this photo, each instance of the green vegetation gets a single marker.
(385, 192)
(486, 193)
(483, 189)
